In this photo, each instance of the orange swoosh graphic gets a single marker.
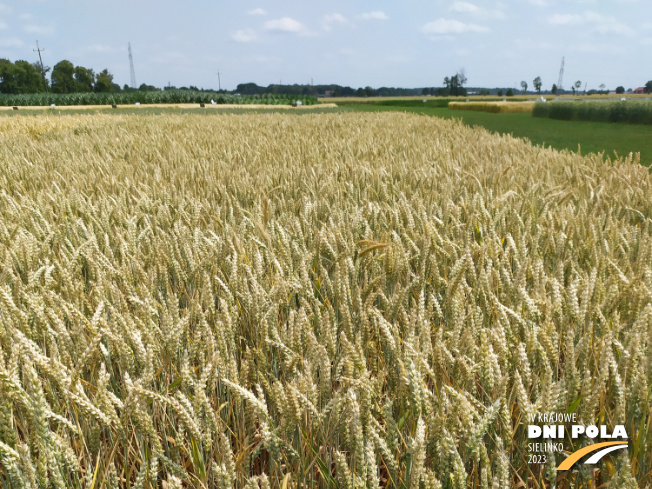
(575, 456)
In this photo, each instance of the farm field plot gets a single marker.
(325, 300)
(590, 137)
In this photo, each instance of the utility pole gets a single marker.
(39, 50)
(219, 82)
(561, 76)
(132, 72)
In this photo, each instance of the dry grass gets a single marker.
(339, 300)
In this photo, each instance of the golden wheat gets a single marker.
(327, 300)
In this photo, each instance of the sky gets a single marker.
(349, 42)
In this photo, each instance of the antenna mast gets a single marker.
(561, 75)
(39, 50)
(132, 72)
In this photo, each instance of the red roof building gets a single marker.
(640, 90)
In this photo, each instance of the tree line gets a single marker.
(24, 77)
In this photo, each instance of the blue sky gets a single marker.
(354, 42)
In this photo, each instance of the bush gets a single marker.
(628, 112)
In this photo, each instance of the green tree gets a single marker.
(8, 82)
(648, 87)
(537, 84)
(28, 78)
(620, 89)
(63, 80)
(554, 89)
(455, 84)
(577, 86)
(524, 86)
(104, 81)
(509, 92)
(84, 78)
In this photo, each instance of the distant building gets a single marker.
(640, 90)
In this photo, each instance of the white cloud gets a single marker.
(596, 22)
(25, 16)
(330, 20)
(3, 25)
(11, 42)
(469, 8)
(539, 3)
(257, 11)
(4, 9)
(40, 30)
(463, 7)
(244, 35)
(564, 19)
(375, 15)
(285, 24)
(450, 26)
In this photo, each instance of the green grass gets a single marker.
(588, 137)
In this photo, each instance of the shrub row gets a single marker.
(628, 111)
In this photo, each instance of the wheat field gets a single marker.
(316, 300)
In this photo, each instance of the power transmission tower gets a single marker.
(39, 50)
(561, 75)
(132, 72)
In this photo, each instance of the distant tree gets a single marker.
(648, 87)
(524, 86)
(461, 76)
(144, 87)
(620, 89)
(27, 78)
(63, 80)
(8, 83)
(104, 81)
(577, 86)
(500, 93)
(369, 92)
(84, 78)
(455, 84)
(42, 70)
(509, 92)
(601, 87)
(249, 89)
(554, 89)
(484, 92)
(537, 84)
